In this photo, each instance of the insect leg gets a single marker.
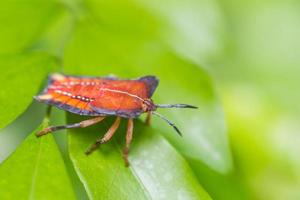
(108, 135)
(148, 118)
(81, 124)
(128, 141)
(48, 112)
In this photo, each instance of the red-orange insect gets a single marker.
(101, 97)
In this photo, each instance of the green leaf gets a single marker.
(157, 171)
(194, 29)
(23, 76)
(22, 22)
(12, 135)
(114, 45)
(35, 171)
(27, 30)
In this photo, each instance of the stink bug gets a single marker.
(103, 96)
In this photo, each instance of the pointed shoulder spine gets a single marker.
(151, 82)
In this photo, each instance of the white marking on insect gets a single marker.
(58, 77)
(45, 97)
(122, 92)
(54, 87)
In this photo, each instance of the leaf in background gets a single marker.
(35, 171)
(157, 171)
(21, 22)
(127, 45)
(194, 29)
(12, 135)
(22, 76)
(258, 76)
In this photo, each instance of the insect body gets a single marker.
(101, 97)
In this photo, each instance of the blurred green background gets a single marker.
(237, 60)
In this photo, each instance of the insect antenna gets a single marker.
(166, 120)
(179, 105)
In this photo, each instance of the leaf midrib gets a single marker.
(33, 181)
(146, 192)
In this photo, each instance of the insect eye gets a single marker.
(144, 106)
(148, 105)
